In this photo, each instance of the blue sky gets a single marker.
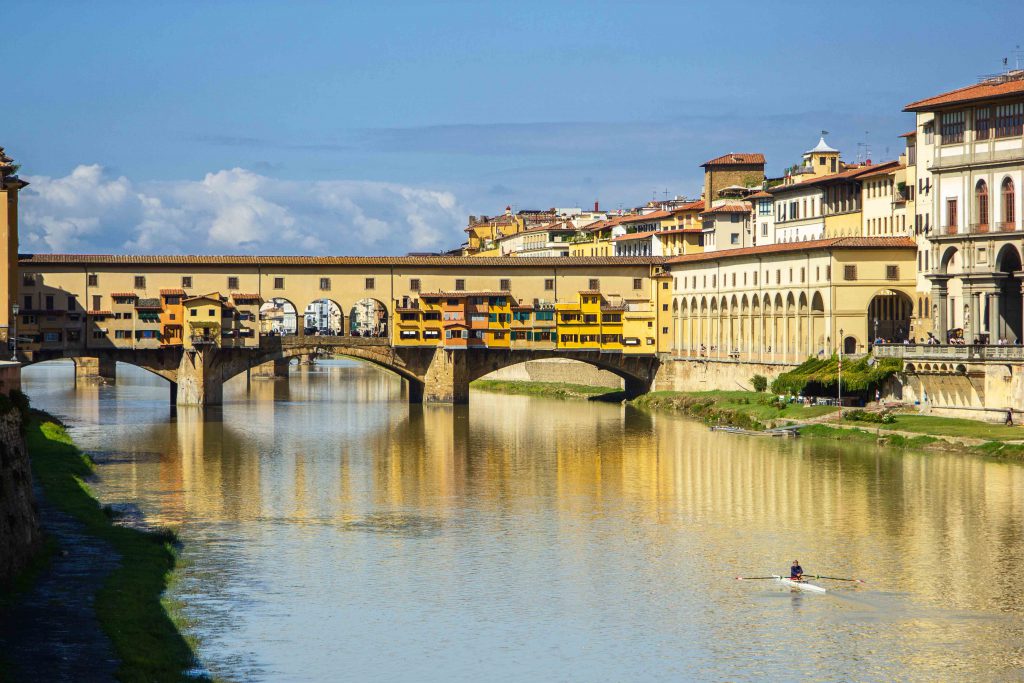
(376, 127)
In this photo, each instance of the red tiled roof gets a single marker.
(29, 260)
(992, 88)
(849, 174)
(697, 205)
(590, 292)
(172, 292)
(760, 194)
(645, 217)
(98, 313)
(909, 135)
(730, 207)
(887, 167)
(125, 295)
(830, 243)
(736, 158)
(676, 231)
(245, 297)
(635, 236)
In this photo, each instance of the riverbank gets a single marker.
(100, 601)
(759, 411)
(548, 389)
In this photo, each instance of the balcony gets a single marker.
(978, 229)
(978, 353)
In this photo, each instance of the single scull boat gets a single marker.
(800, 585)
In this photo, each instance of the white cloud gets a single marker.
(234, 211)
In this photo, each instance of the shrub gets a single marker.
(865, 416)
(760, 382)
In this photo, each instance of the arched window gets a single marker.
(1008, 202)
(981, 201)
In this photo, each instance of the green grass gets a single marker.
(746, 409)
(864, 435)
(544, 389)
(129, 605)
(951, 426)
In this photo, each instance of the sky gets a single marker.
(376, 128)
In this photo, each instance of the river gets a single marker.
(332, 532)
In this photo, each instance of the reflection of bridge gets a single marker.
(433, 374)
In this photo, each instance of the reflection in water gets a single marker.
(332, 531)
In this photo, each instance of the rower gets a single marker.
(796, 572)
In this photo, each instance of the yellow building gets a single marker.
(203, 316)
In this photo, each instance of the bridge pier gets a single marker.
(272, 369)
(200, 382)
(89, 370)
(446, 379)
(634, 386)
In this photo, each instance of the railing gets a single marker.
(979, 229)
(949, 352)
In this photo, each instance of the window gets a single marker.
(369, 283)
(49, 302)
(981, 202)
(803, 275)
(982, 123)
(505, 284)
(828, 273)
(951, 212)
(778, 277)
(664, 330)
(549, 284)
(764, 207)
(734, 238)
(764, 230)
(140, 282)
(1008, 202)
(734, 279)
(892, 272)
(72, 303)
(278, 283)
(1009, 120)
(186, 281)
(929, 133)
(594, 283)
(414, 284)
(952, 127)
(638, 283)
(233, 283)
(849, 272)
(325, 284)
(755, 278)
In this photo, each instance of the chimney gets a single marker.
(597, 209)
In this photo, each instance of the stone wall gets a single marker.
(557, 370)
(710, 375)
(20, 536)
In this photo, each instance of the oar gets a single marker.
(834, 578)
(754, 578)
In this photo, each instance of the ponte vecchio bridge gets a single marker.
(100, 309)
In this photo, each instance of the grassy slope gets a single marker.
(129, 605)
(739, 408)
(547, 389)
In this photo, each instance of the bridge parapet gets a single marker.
(975, 353)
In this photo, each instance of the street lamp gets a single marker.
(14, 337)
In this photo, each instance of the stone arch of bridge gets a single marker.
(151, 361)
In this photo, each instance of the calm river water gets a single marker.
(331, 532)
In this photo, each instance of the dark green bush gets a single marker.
(759, 382)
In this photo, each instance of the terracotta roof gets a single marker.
(760, 194)
(28, 260)
(170, 292)
(646, 217)
(589, 292)
(246, 297)
(736, 158)
(730, 207)
(831, 243)
(635, 236)
(992, 88)
(125, 295)
(909, 135)
(887, 167)
(849, 174)
(212, 296)
(697, 205)
(676, 231)
(98, 313)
